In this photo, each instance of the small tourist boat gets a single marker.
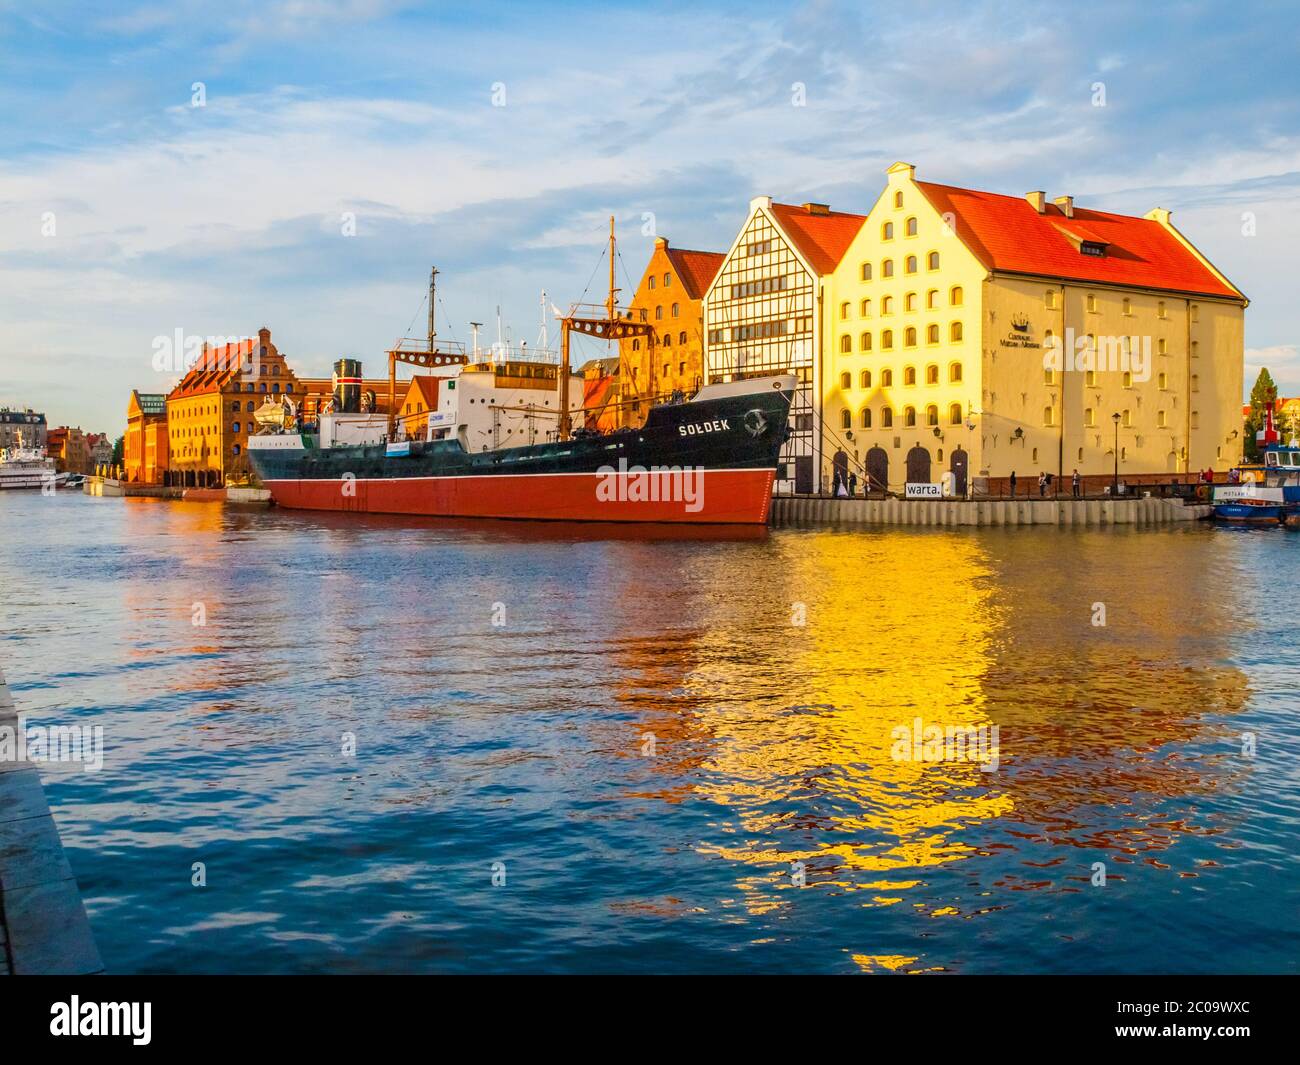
(1268, 494)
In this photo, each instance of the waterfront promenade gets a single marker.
(43, 924)
(797, 511)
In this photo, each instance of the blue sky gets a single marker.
(219, 219)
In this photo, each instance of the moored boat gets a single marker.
(1269, 494)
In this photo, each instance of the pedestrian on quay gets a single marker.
(1074, 484)
(853, 484)
(1013, 484)
(1042, 485)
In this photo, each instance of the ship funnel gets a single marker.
(347, 386)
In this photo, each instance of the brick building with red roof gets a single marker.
(670, 295)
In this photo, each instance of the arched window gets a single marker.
(932, 334)
(250, 406)
(865, 309)
(887, 305)
(1126, 420)
(677, 307)
(864, 342)
(887, 340)
(909, 336)
(234, 428)
(955, 296)
(846, 381)
(887, 268)
(954, 332)
(846, 344)
(864, 419)
(909, 375)
(909, 417)
(931, 415)
(652, 281)
(954, 372)
(1048, 377)
(909, 302)
(910, 265)
(932, 261)
(659, 314)
(954, 414)
(865, 378)
(636, 345)
(898, 199)
(911, 227)
(1049, 415)
(235, 450)
(276, 387)
(1128, 305)
(289, 387)
(887, 231)
(846, 419)
(886, 417)
(932, 299)
(681, 337)
(668, 280)
(886, 378)
(235, 406)
(668, 340)
(866, 272)
(932, 374)
(263, 387)
(844, 309)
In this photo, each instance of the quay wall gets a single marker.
(43, 923)
(797, 511)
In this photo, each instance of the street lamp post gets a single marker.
(1114, 492)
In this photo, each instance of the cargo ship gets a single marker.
(504, 437)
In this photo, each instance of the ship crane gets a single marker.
(611, 326)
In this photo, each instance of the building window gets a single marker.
(659, 314)
(288, 387)
(909, 417)
(887, 268)
(1163, 381)
(931, 415)
(1049, 416)
(1092, 303)
(846, 381)
(1089, 417)
(1160, 420)
(909, 336)
(636, 345)
(898, 199)
(887, 340)
(1126, 379)
(234, 428)
(235, 406)
(864, 309)
(1127, 306)
(955, 296)
(668, 340)
(1126, 419)
(886, 378)
(865, 378)
(932, 334)
(681, 337)
(1160, 309)
(911, 227)
(1162, 346)
(910, 264)
(844, 310)
(668, 280)
(864, 419)
(932, 299)
(886, 417)
(887, 305)
(954, 372)
(846, 344)
(932, 374)
(866, 272)
(954, 414)
(954, 332)
(932, 261)
(1196, 313)
(846, 419)
(652, 280)
(909, 301)
(676, 307)
(909, 375)
(1196, 383)
(864, 342)
(887, 231)
(1048, 376)
(1090, 378)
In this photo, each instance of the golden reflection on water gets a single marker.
(788, 727)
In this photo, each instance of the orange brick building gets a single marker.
(144, 449)
(671, 296)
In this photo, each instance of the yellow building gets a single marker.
(984, 334)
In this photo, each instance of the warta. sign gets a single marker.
(922, 490)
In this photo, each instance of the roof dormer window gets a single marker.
(1092, 247)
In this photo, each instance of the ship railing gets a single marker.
(420, 345)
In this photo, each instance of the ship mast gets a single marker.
(609, 327)
(421, 354)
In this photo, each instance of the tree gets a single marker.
(1262, 396)
(119, 449)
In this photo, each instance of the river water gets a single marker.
(350, 744)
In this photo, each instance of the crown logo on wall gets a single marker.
(1020, 323)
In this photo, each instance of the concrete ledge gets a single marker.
(43, 923)
(826, 511)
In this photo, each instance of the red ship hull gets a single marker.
(725, 497)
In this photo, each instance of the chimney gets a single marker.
(1037, 200)
(1066, 204)
(764, 202)
(661, 242)
(817, 208)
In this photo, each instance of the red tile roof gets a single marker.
(214, 369)
(697, 269)
(425, 386)
(1006, 234)
(822, 239)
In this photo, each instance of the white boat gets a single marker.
(25, 467)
